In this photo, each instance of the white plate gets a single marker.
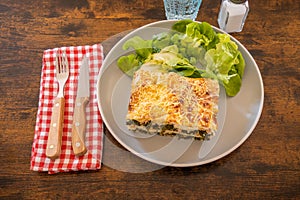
(237, 117)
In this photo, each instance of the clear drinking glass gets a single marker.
(182, 9)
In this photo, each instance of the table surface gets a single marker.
(266, 166)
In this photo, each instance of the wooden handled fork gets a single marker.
(56, 126)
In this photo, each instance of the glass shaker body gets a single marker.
(232, 15)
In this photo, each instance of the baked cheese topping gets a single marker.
(167, 98)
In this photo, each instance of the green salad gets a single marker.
(190, 49)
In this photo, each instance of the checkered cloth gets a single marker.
(94, 127)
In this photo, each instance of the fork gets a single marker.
(53, 149)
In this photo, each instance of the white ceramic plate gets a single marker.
(237, 117)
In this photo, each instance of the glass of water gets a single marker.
(182, 9)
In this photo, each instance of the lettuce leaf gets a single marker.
(129, 64)
(202, 33)
(160, 41)
(187, 45)
(132, 62)
(170, 60)
(143, 48)
(181, 25)
(227, 63)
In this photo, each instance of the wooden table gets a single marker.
(266, 166)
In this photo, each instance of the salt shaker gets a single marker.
(232, 15)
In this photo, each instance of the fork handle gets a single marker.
(56, 128)
(79, 126)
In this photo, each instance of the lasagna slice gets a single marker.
(167, 103)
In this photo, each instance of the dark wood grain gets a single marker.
(266, 166)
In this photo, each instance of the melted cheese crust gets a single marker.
(164, 98)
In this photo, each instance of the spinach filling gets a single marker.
(166, 129)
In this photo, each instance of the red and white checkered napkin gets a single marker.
(94, 127)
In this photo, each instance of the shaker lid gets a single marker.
(238, 1)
